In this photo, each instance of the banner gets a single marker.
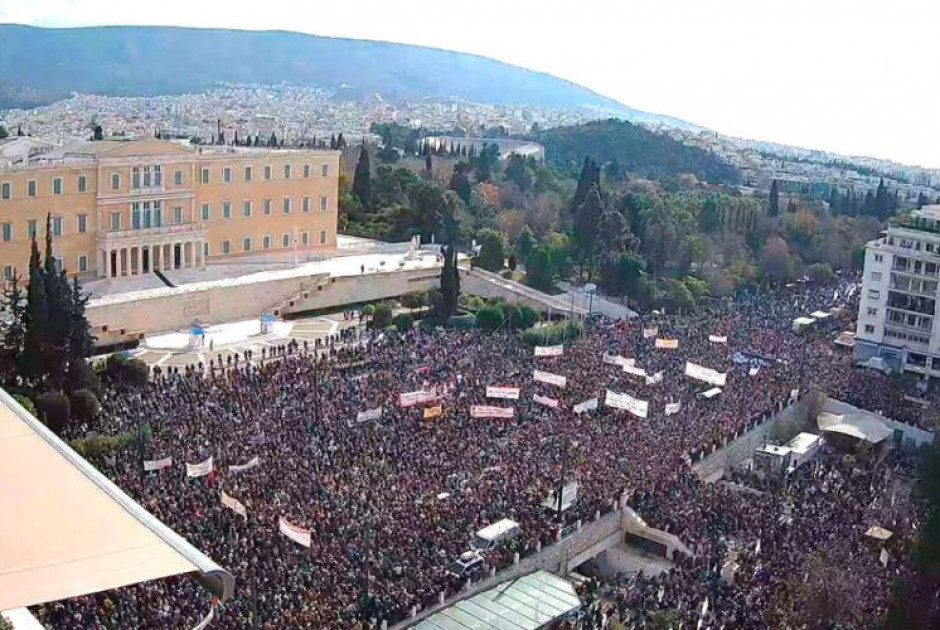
(243, 467)
(548, 377)
(705, 374)
(717, 339)
(673, 408)
(667, 344)
(650, 332)
(632, 370)
(369, 415)
(655, 378)
(613, 359)
(234, 504)
(545, 400)
(753, 371)
(432, 412)
(549, 351)
(299, 535)
(637, 407)
(485, 411)
(410, 399)
(199, 470)
(257, 440)
(508, 393)
(587, 405)
(158, 464)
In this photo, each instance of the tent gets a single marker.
(861, 426)
(802, 322)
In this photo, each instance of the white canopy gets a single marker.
(860, 426)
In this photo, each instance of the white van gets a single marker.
(495, 535)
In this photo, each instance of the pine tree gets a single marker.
(235, 139)
(36, 317)
(791, 206)
(272, 141)
(81, 341)
(340, 141)
(427, 163)
(362, 180)
(14, 328)
(19, 131)
(333, 142)
(834, 200)
(590, 176)
(773, 209)
(3, 132)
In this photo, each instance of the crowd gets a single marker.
(390, 502)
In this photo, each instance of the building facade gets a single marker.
(898, 302)
(128, 208)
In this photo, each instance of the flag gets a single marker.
(637, 407)
(650, 332)
(158, 464)
(548, 377)
(655, 378)
(672, 408)
(613, 359)
(667, 344)
(508, 393)
(587, 405)
(485, 411)
(234, 504)
(753, 371)
(432, 412)
(545, 400)
(633, 370)
(368, 415)
(718, 339)
(410, 399)
(299, 535)
(255, 461)
(883, 557)
(705, 374)
(201, 469)
(757, 548)
(549, 351)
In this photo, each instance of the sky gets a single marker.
(858, 77)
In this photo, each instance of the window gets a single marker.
(285, 206)
(306, 171)
(226, 247)
(6, 232)
(177, 214)
(177, 178)
(305, 206)
(56, 185)
(136, 215)
(82, 221)
(158, 175)
(226, 210)
(57, 223)
(83, 263)
(82, 184)
(135, 177)
(205, 249)
(869, 328)
(322, 237)
(205, 212)
(31, 228)
(8, 272)
(246, 244)
(246, 209)
(31, 188)
(147, 180)
(267, 171)
(876, 276)
(305, 238)
(247, 173)
(874, 294)
(157, 214)
(267, 206)
(324, 203)
(6, 191)
(285, 240)
(872, 312)
(205, 175)
(266, 241)
(287, 171)
(227, 174)
(115, 181)
(325, 170)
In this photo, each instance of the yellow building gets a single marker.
(126, 208)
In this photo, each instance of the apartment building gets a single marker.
(127, 208)
(898, 305)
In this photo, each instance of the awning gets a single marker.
(66, 530)
(860, 426)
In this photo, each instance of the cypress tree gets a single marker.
(14, 330)
(427, 163)
(272, 141)
(774, 208)
(258, 140)
(81, 341)
(340, 141)
(333, 142)
(36, 317)
(362, 180)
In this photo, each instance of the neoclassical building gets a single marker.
(127, 208)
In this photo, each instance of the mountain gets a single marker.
(636, 148)
(39, 65)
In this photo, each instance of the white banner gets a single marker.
(587, 405)
(158, 464)
(637, 407)
(614, 359)
(507, 393)
(549, 351)
(545, 400)
(202, 625)
(243, 467)
(753, 371)
(655, 378)
(548, 377)
(650, 332)
(485, 411)
(369, 415)
(410, 399)
(667, 344)
(673, 408)
(718, 339)
(705, 374)
(299, 535)
(234, 504)
(199, 470)
(633, 370)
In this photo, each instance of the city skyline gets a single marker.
(843, 77)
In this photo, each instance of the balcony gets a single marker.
(164, 232)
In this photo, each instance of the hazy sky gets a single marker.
(853, 76)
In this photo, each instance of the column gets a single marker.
(139, 258)
(184, 251)
(108, 268)
(163, 257)
(202, 253)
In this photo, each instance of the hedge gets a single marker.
(85, 405)
(462, 322)
(403, 322)
(54, 410)
(551, 335)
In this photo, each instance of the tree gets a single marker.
(272, 141)
(492, 251)
(257, 142)
(517, 171)
(590, 176)
(388, 154)
(14, 328)
(428, 166)
(81, 341)
(539, 270)
(773, 209)
(460, 181)
(819, 272)
(490, 318)
(775, 257)
(791, 206)
(525, 243)
(622, 274)
(382, 316)
(362, 180)
(587, 221)
(36, 317)
(84, 405)
(403, 322)
(450, 284)
(54, 410)
(97, 134)
(709, 218)
(19, 131)
(511, 262)
(3, 132)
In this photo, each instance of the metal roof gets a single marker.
(526, 603)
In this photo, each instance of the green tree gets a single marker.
(622, 274)
(819, 272)
(525, 243)
(81, 341)
(3, 132)
(382, 316)
(678, 296)
(54, 410)
(272, 141)
(709, 218)
(460, 181)
(13, 328)
(517, 171)
(773, 208)
(492, 250)
(403, 322)
(97, 133)
(450, 284)
(587, 223)
(776, 260)
(539, 270)
(490, 318)
(36, 318)
(362, 180)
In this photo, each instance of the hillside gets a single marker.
(638, 150)
(40, 65)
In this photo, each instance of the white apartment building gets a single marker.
(898, 305)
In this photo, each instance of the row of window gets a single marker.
(151, 176)
(904, 336)
(32, 227)
(32, 187)
(267, 242)
(909, 265)
(266, 207)
(916, 245)
(268, 173)
(81, 266)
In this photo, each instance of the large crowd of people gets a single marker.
(392, 500)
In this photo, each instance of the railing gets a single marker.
(164, 230)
